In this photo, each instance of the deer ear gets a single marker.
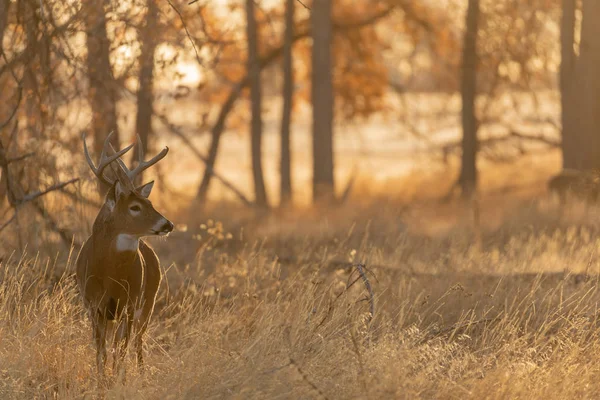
(145, 189)
(120, 191)
(110, 198)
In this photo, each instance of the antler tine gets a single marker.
(104, 161)
(140, 149)
(143, 165)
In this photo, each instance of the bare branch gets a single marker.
(35, 195)
(8, 222)
(187, 32)
(178, 132)
(20, 158)
(303, 5)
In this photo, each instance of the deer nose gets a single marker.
(167, 227)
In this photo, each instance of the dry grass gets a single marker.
(266, 312)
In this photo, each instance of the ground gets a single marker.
(271, 306)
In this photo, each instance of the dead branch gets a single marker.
(306, 379)
(303, 5)
(511, 136)
(32, 196)
(187, 32)
(8, 221)
(361, 270)
(20, 158)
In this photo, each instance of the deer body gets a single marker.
(118, 274)
(582, 184)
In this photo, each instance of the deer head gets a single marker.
(127, 210)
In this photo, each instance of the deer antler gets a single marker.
(142, 165)
(104, 159)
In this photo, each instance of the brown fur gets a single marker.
(117, 284)
(584, 185)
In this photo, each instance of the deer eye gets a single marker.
(135, 208)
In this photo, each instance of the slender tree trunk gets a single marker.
(256, 105)
(102, 89)
(286, 115)
(322, 101)
(4, 189)
(143, 121)
(4, 8)
(216, 133)
(567, 65)
(584, 91)
(468, 172)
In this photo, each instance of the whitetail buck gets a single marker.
(584, 185)
(118, 274)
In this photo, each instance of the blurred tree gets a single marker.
(253, 63)
(322, 101)
(348, 73)
(102, 91)
(583, 114)
(468, 172)
(4, 8)
(145, 97)
(567, 65)
(286, 114)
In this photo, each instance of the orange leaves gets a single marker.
(360, 76)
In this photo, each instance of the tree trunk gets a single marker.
(286, 115)
(584, 91)
(255, 100)
(143, 121)
(322, 102)
(468, 172)
(567, 66)
(4, 7)
(102, 91)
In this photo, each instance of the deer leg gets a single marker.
(139, 343)
(122, 341)
(99, 332)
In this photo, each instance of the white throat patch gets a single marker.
(126, 242)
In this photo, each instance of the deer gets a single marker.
(117, 273)
(581, 184)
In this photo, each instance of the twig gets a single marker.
(8, 222)
(301, 3)
(20, 158)
(361, 270)
(187, 32)
(306, 379)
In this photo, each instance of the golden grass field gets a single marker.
(269, 306)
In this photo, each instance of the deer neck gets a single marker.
(126, 243)
(112, 242)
